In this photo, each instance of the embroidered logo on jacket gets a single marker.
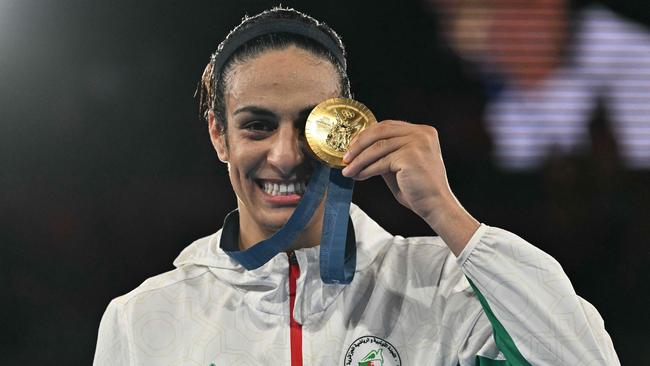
(371, 351)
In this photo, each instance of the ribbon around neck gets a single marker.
(337, 254)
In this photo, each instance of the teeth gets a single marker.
(283, 189)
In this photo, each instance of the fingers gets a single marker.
(374, 160)
(389, 146)
(378, 167)
(369, 136)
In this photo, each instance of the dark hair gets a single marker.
(212, 86)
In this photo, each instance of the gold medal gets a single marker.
(332, 124)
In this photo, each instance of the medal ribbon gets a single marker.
(334, 266)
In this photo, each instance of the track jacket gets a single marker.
(412, 302)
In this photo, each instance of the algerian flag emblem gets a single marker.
(373, 358)
(371, 351)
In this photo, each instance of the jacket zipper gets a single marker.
(295, 329)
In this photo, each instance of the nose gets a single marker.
(286, 153)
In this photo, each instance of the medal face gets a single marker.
(332, 124)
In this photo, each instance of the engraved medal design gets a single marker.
(332, 124)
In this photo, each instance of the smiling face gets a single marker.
(268, 99)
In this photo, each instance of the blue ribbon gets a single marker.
(334, 268)
(337, 255)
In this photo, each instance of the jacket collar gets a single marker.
(207, 251)
(266, 289)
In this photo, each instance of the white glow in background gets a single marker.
(607, 61)
(612, 64)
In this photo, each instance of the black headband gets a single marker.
(270, 26)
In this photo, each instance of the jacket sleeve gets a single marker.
(112, 340)
(535, 315)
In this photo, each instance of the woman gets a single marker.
(410, 301)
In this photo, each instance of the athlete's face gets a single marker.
(268, 99)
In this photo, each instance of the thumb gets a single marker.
(391, 182)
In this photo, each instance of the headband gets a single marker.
(270, 26)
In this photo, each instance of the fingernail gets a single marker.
(345, 171)
(346, 157)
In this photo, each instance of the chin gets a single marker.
(276, 218)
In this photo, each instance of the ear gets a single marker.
(218, 137)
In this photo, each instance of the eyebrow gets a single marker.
(255, 110)
(261, 111)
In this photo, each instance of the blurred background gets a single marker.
(107, 172)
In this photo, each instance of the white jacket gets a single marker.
(410, 303)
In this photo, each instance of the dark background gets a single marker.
(106, 171)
